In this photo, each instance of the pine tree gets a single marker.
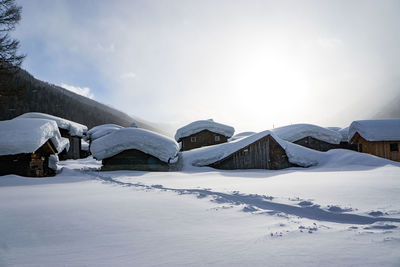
(10, 14)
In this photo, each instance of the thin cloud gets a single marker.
(84, 91)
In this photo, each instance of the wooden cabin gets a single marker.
(133, 159)
(27, 147)
(75, 146)
(377, 137)
(310, 136)
(35, 164)
(73, 131)
(263, 153)
(203, 133)
(135, 149)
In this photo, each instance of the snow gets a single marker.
(342, 212)
(101, 130)
(296, 132)
(146, 141)
(74, 128)
(204, 156)
(376, 130)
(27, 135)
(84, 145)
(240, 135)
(198, 126)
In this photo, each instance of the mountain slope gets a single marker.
(23, 93)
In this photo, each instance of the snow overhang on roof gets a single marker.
(22, 135)
(376, 130)
(101, 130)
(151, 143)
(296, 132)
(73, 128)
(201, 125)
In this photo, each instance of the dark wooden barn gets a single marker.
(200, 139)
(203, 133)
(35, 164)
(133, 159)
(75, 146)
(135, 149)
(264, 153)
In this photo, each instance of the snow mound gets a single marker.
(198, 126)
(101, 130)
(296, 132)
(204, 156)
(74, 128)
(376, 130)
(146, 141)
(84, 145)
(27, 135)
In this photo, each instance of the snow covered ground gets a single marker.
(343, 212)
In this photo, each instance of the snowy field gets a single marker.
(343, 212)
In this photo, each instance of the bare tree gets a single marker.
(10, 14)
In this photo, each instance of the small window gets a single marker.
(394, 147)
(193, 139)
(217, 138)
(360, 148)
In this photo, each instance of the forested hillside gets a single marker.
(21, 93)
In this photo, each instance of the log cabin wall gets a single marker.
(315, 144)
(265, 153)
(203, 138)
(34, 164)
(133, 159)
(383, 149)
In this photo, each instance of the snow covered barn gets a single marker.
(377, 137)
(68, 129)
(309, 135)
(28, 147)
(263, 150)
(203, 133)
(135, 149)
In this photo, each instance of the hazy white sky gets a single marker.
(250, 64)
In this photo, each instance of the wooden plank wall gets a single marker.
(203, 138)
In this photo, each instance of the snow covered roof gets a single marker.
(74, 128)
(376, 130)
(240, 135)
(143, 140)
(101, 130)
(296, 132)
(28, 135)
(201, 125)
(204, 156)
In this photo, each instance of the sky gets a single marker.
(254, 65)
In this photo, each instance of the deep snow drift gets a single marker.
(343, 212)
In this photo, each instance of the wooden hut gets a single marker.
(135, 149)
(310, 136)
(68, 129)
(203, 133)
(377, 137)
(28, 147)
(263, 150)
